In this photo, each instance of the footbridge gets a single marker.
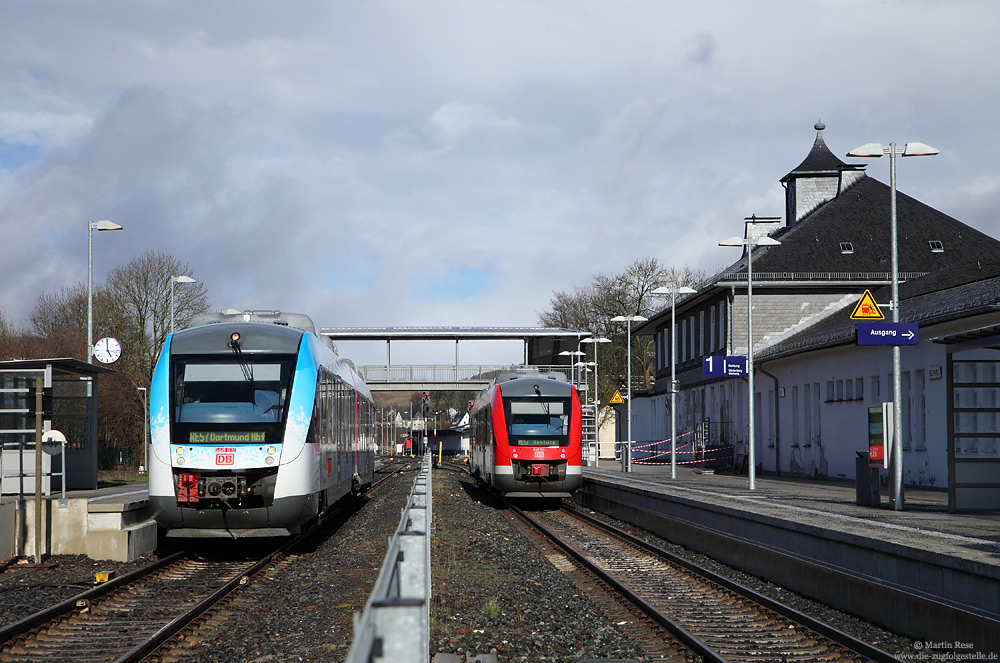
(542, 348)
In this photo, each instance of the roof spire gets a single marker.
(819, 126)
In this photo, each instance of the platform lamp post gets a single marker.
(876, 150)
(751, 242)
(571, 354)
(145, 430)
(584, 367)
(91, 227)
(173, 280)
(627, 451)
(597, 399)
(673, 292)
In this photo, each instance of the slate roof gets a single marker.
(861, 215)
(965, 290)
(820, 159)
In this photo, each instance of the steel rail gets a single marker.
(179, 623)
(685, 637)
(846, 640)
(53, 612)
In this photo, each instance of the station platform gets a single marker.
(111, 523)
(908, 570)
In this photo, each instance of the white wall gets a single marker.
(820, 437)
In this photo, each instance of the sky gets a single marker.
(401, 162)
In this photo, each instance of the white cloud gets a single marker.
(455, 121)
(329, 158)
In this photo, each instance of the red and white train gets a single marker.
(525, 435)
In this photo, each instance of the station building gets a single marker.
(813, 384)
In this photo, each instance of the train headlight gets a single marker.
(271, 451)
(269, 460)
(180, 460)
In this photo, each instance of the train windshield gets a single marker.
(253, 392)
(537, 421)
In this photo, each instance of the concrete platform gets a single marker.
(908, 570)
(108, 523)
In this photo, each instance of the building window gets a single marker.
(840, 390)
(701, 334)
(712, 333)
(683, 338)
(692, 323)
(807, 412)
(876, 394)
(846, 248)
(920, 405)
(722, 326)
(829, 391)
(859, 389)
(795, 416)
(849, 390)
(817, 437)
(905, 396)
(937, 246)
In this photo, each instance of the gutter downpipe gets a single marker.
(777, 419)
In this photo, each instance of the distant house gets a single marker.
(813, 383)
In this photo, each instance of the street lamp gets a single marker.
(673, 292)
(597, 399)
(571, 354)
(173, 280)
(750, 242)
(145, 429)
(876, 150)
(91, 227)
(627, 452)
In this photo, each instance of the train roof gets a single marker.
(299, 321)
(523, 383)
(215, 338)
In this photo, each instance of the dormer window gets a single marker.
(937, 246)
(846, 248)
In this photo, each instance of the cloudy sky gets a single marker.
(376, 162)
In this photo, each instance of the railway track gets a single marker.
(130, 617)
(714, 618)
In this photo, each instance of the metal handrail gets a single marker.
(443, 372)
(819, 276)
(395, 623)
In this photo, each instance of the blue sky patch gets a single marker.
(15, 155)
(458, 284)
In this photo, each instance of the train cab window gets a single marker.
(538, 421)
(226, 393)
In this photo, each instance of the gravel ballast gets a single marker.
(493, 591)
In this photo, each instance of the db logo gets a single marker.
(539, 453)
(225, 459)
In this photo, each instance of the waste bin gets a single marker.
(866, 481)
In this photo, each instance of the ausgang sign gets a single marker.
(887, 333)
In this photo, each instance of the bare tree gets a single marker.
(132, 306)
(628, 293)
(138, 309)
(59, 321)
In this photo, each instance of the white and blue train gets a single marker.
(257, 426)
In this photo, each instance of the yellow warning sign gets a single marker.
(617, 398)
(867, 309)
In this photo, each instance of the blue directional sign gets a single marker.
(887, 333)
(715, 366)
